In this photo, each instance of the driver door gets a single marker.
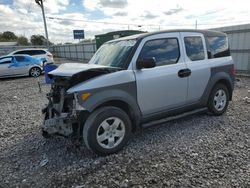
(5, 64)
(161, 88)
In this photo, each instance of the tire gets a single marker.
(102, 135)
(35, 72)
(218, 100)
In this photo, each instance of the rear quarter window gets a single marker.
(39, 52)
(21, 52)
(31, 52)
(218, 47)
(194, 48)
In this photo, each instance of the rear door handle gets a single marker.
(184, 73)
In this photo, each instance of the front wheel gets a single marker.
(107, 130)
(35, 72)
(218, 100)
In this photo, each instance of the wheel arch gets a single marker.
(228, 85)
(35, 66)
(132, 112)
(220, 77)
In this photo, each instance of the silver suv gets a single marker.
(136, 81)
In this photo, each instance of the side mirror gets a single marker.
(146, 63)
(209, 54)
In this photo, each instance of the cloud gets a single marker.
(173, 11)
(107, 4)
(24, 17)
(90, 4)
(120, 14)
(66, 22)
(5, 10)
(149, 15)
(114, 3)
(55, 6)
(50, 6)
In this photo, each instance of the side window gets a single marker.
(218, 47)
(36, 52)
(194, 48)
(30, 52)
(20, 58)
(21, 52)
(165, 51)
(5, 60)
(41, 52)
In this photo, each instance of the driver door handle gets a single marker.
(184, 73)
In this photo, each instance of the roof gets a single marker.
(208, 33)
(24, 49)
(30, 49)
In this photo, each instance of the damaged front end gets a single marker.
(62, 116)
(60, 113)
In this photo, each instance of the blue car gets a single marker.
(21, 65)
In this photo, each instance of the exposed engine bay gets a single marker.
(62, 111)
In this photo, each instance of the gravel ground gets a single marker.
(197, 151)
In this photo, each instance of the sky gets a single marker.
(24, 17)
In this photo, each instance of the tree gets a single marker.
(38, 40)
(23, 41)
(8, 36)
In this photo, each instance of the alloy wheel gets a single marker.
(220, 100)
(110, 132)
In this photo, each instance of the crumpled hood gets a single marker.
(70, 69)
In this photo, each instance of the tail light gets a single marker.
(233, 71)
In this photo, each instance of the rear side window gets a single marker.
(20, 58)
(194, 48)
(39, 52)
(218, 47)
(21, 52)
(165, 51)
(31, 52)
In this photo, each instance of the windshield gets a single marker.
(113, 54)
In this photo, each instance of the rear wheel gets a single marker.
(35, 72)
(107, 130)
(218, 100)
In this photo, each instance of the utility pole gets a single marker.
(40, 3)
(196, 24)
